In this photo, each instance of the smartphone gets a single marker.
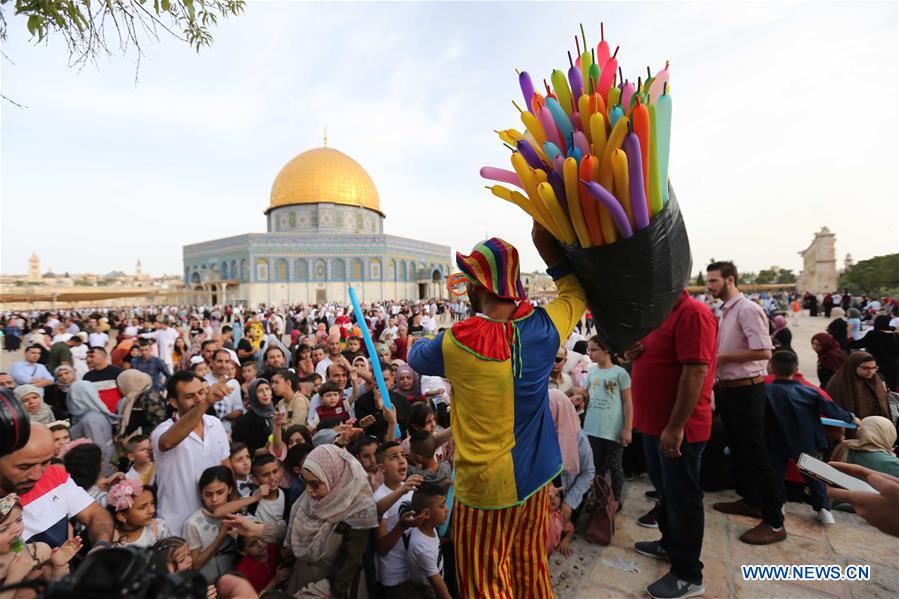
(826, 473)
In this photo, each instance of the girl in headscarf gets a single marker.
(830, 357)
(55, 394)
(882, 342)
(577, 459)
(408, 384)
(91, 419)
(38, 411)
(872, 446)
(857, 388)
(254, 427)
(132, 385)
(331, 525)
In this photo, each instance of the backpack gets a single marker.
(601, 525)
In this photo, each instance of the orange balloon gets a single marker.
(640, 120)
(589, 169)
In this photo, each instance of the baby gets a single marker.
(558, 535)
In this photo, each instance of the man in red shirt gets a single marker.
(672, 378)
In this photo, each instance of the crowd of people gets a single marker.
(255, 447)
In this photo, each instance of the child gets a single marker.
(212, 549)
(422, 417)
(389, 497)
(133, 508)
(423, 555)
(293, 465)
(609, 413)
(83, 461)
(422, 447)
(272, 506)
(61, 436)
(797, 428)
(19, 560)
(559, 533)
(198, 366)
(260, 564)
(331, 403)
(140, 454)
(175, 553)
(241, 466)
(364, 450)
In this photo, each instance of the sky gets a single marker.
(785, 120)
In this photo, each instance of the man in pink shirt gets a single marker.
(744, 348)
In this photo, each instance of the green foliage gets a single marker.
(766, 277)
(879, 274)
(700, 280)
(85, 24)
(786, 276)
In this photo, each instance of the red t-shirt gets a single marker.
(688, 336)
(258, 573)
(336, 412)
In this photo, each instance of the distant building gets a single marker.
(325, 233)
(34, 269)
(819, 269)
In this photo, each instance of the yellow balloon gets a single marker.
(520, 201)
(552, 204)
(563, 92)
(583, 109)
(529, 182)
(586, 61)
(614, 97)
(570, 176)
(622, 183)
(598, 133)
(534, 128)
(619, 131)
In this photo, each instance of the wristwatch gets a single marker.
(103, 544)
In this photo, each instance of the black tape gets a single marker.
(633, 283)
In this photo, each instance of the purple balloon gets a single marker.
(576, 82)
(611, 203)
(576, 121)
(631, 147)
(530, 156)
(527, 89)
(555, 181)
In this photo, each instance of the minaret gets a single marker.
(138, 270)
(848, 262)
(34, 268)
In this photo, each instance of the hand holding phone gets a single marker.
(826, 473)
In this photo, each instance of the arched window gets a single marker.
(195, 278)
(281, 274)
(356, 269)
(244, 274)
(301, 270)
(261, 269)
(233, 269)
(412, 271)
(338, 270)
(391, 270)
(374, 269)
(321, 270)
(402, 275)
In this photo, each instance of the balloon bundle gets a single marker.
(593, 159)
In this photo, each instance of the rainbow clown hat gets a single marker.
(494, 264)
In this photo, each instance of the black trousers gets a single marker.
(745, 413)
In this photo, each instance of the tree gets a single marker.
(86, 26)
(700, 280)
(878, 274)
(766, 276)
(786, 276)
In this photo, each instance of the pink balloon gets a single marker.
(580, 142)
(558, 162)
(576, 121)
(550, 128)
(626, 93)
(501, 175)
(658, 84)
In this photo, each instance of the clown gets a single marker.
(256, 332)
(498, 362)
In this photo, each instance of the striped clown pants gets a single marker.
(501, 554)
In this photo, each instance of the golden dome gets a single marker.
(324, 175)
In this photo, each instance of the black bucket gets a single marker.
(633, 283)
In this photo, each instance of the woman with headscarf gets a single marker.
(91, 419)
(830, 357)
(38, 411)
(133, 384)
(577, 457)
(254, 426)
(839, 329)
(872, 446)
(781, 336)
(408, 384)
(330, 526)
(857, 388)
(55, 394)
(882, 342)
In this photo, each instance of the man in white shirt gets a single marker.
(97, 339)
(333, 356)
(229, 409)
(165, 340)
(187, 444)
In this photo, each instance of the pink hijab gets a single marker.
(567, 426)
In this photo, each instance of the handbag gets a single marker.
(601, 525)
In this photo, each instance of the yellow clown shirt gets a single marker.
(506, 443)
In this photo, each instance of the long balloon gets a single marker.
(548, 195)
(581, 143)
(602, 48)
(640, 121)
(577, 83)
(607, 75)
(563, 92)
(562, 121)
(527, 88)
(622, 183)
(530, 155)
(551, 150)
(631, 147)
(655, 191)
(611, 204)
(502, 175)
(550, 127)
(663, 124)
(588, 169)
(626, 92)
(523, 203)
(598, 133)
(657, 87)
(529, 179)
(370, 346)
(532, 124)
(569, 174)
